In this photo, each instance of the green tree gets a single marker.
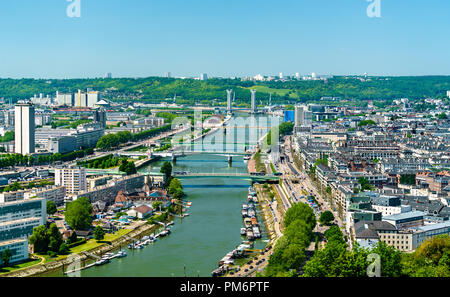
(51, 207)
(299, 232)
(39, 239)
(54, 237)
(365, 184)
(78, 214)
(176, 188)
(166, 168)
(99, 233)
(64, 249)
(443, 116)
(156, 205)
(6, 257)
(326, 217)
(72, 238)
(300, 211)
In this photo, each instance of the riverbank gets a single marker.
(62, 264)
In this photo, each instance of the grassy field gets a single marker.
(92, 243)
(267, 90)
(25, 264)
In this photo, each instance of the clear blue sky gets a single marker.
(139, 38)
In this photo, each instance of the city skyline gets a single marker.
(149, 38)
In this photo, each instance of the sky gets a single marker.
(223, 38)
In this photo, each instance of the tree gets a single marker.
(39, 239)
(166, 168)
(99, 233)
(64, 249)
(299, 232)
(390, 260)
(157, 204)
(6, 257)
(72, 238)
(443, 116)
(300, 211)
(326, 217)
(128, 167)
(51, 207)
(431, 259)
(54, 238)
(78, 214)
(365, 184)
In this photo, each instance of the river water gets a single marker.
(212, 229)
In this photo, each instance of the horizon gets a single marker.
(222, 77)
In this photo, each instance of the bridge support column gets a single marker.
(230, 160)
(174, 159)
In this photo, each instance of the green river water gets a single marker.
(211, 230)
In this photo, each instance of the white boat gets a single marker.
(145, 238)
(121, 254)
(107, 256)
(243, 231)
(101, 262)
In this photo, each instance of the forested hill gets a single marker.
(154, 89)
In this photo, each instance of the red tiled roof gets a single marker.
(143, 209)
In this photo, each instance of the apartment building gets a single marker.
(12, 196)
(50, 193)
(73, 179)
(17, 221)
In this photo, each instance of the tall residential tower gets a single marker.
(24, 128)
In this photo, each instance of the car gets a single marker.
(262, 260)
(251, 267)
(231, 273)
(256, 258)
(246, 270)
(262, 253)
(250, 262)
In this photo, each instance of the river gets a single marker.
(212, 229)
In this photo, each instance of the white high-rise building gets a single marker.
(64, 99)
(229, 102)
(168, 75)
(281, 75)
(24, 128)
(448, 94)
(203, 76)
(92, 98)
(253, 101)
(297, 75)
(73, 178)
(303, 117)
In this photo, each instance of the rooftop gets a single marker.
(406, 215)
